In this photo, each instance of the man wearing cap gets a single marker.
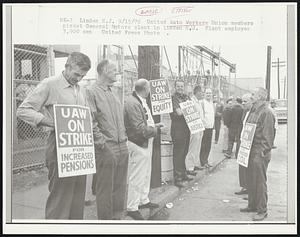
(66, 197)
(110, 144)
(260, 154)
(141, 130)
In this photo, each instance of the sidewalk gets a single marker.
(30, 191)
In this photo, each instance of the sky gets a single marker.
(250, 58)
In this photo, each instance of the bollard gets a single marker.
(166, 161)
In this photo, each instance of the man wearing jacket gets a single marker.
(110, 144)
(234, 121)
(225, 117)
(141, 130)
(218, 116)
(247, 103)
(180, 134)
(66, 197)
(260, 154)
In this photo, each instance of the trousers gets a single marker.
(205, 146)
(181, 139)
(66, 197)
(232, 137)
(139, 175)
(192, 157)
(242, 170)
(217, 128)
(225, 138)
(111, 180)
(257, 185)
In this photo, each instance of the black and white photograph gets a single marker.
(150, 118)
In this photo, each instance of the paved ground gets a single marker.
(29, 190)
(213, 201)
(213, 198)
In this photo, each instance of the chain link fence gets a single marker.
(30, 67)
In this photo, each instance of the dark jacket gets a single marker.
(226, 115)
(219, 111)
(178, 124)
(136, 122)
(264, 119)
(235, 116)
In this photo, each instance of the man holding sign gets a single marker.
(192, 160)
(141, 130)
(180, 134)
(263, 119)
(247, 103)
(66, 198)
(161, 102)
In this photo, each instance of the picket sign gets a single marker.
(191, 116)
(247, 136)
(160, 96)
(74, 140)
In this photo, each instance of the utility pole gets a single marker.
(284, 88)
(219, 85)
(179, 61)
(278, 64)
(148, 67)
(50, 60)
(268, 74)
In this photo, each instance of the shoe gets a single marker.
(216, 142)
(179, 184)
(227, 155)
(223, 151)
(274, 147)
(245, 198)
(88, 202)
(208, 165)
(260, 216)
(243, 191)
(198, 168)
(191, 173)
(186, 178)
(136, 215)
(150, 205)
(247, 209)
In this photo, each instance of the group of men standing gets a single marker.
(253, 108)
(191, 151)
(123, 141)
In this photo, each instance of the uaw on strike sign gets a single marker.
(191, 116)
(74, 140)
(247, 135)
(161, 101)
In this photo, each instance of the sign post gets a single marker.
(247, 135)
(161, 102)
(191, 116)
(74, 140)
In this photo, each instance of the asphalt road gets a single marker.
(212, 199)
